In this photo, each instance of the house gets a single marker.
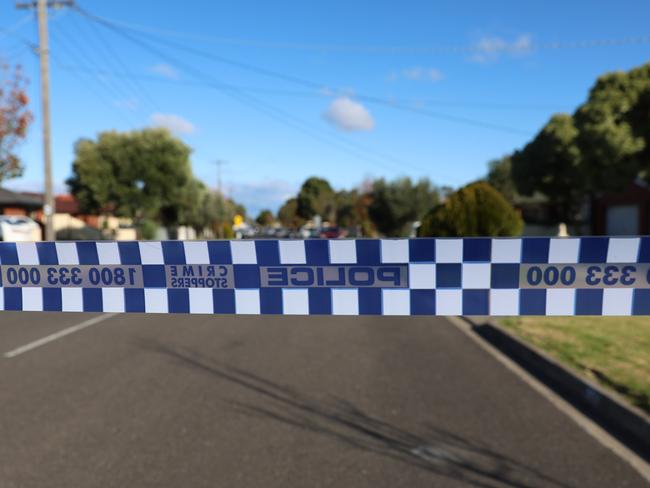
(13, 203)
(623, 213)
(68, 216)
(534, 211)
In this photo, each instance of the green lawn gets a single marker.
(613, 351)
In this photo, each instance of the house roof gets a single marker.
(10, 198)
(65, 203)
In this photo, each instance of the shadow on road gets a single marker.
(432, 449)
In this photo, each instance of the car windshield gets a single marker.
(14, 220)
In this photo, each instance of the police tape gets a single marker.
(424, 276)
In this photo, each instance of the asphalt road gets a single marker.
(201, 401)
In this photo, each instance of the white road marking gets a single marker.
(57, 335)
(588, 425)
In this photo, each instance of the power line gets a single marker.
(382, 49)
(8, 31)
(17, 52)
(115, 61)
(316, 93)
(318, 86)
(438, 115)
(72, 54)
(79, 51)
(252, 102)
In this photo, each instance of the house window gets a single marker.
(623, 220)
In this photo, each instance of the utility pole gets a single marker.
(43, 54)
(219, 163)
(220, 214)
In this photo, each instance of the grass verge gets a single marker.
(613, 351)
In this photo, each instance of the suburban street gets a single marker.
(167, 401)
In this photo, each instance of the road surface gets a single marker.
(212, 401)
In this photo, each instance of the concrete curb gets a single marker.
(628, 424)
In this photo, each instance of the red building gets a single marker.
(623, 213)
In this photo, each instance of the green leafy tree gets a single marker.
(613, 129)
(265, 218)
(639, 117)
(474, 210)
(15, 119)
(316, 197)
(396, 204)
(222, 212)
(347, 209)
(197, 209)
(603, 147)
(288, 214)
(352, 211)
(210, 210)
(139, 174)
(552, 164)
(500, 177)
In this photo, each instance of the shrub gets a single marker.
(474, 210)
(228, 233)
(79, 234)
(146, 229)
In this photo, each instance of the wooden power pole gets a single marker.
(43, 52)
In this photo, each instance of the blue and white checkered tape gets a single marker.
(424, 276)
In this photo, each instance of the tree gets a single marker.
(474, 210)
(204, 209)
(265, 218)
(396, 204)
(316, 197)
(288, 214)
(15, 119)
(552, 164)
(196, 210)
(346, 208)
(603, 147)
(500, 177)
(352, 211)
(613, 129)
(139, 174)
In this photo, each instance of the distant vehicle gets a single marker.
(332, 233)
(19, 229)
(281, 233)
(243, 231)
(308, 232)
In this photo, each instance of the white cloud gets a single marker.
(426, 74)
(348, 115)
(259, 195)
(417, 73)
(490, 48)
(522, 45)
(130, 104)
(165, 70)
(175, 123)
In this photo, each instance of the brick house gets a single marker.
(13, 203)
(623, 213)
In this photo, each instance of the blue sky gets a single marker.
(344, 89)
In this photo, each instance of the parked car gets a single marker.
(332, 232)
(19, 229)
